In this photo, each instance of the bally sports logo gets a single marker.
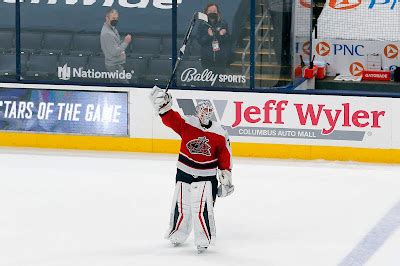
(207, 76)
(391, 51)
(356, 69)
(314, 121)
(323, 48)
(344, 4)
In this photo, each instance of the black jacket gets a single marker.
(220, 58)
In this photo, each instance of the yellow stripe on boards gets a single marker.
(280, 151)
(55, 141)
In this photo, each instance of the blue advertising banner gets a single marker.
(68, 112)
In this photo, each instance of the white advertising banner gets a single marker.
(351, 57)
(360, 20)
(396, 124)
(283, 118)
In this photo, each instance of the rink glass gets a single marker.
(7, 42)
(215, 59)
(60, 44)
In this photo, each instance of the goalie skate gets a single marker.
(175, 242)
(201, 249)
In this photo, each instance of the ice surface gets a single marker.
(86, 208)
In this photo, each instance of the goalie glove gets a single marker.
(226, 188)
(161, 100)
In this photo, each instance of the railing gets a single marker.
(265, 20)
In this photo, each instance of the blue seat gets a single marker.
(86, 44)
(97, 63)
(24, 59)
(42, 66)
(194, 48)
(56, 43)
(31, 42)
(7, 41)
(140, 68)
(8, 66)
(74, 61)
(145, 47)
(159, 71)
(166, 45)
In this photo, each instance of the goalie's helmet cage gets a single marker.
(204, 111)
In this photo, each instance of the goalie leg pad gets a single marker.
(203, 213)
(181, 217)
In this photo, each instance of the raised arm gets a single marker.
(162, 102)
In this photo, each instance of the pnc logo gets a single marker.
(344, 4)
(306, 48)
(323, 48)
(356, 69)
(391, 51)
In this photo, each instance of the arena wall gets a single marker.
(262, 125)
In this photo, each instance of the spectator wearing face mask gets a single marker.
(113, 47)
(214, 40)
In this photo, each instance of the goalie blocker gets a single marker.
(205, 149)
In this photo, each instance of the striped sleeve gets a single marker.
(174, 121)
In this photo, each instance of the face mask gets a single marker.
(213, 18)
(204, 112)
(114, 23)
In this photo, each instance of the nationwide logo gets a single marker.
(356, 69)
(307, 48)
(268, 119)
(66, 73)
(391, 51)
(160, 4)
(199, 146)
(344, 4)
(207, 76)
(323, 48)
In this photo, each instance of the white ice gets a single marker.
(112, 209)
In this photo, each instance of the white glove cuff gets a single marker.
(167, 105)
(225, 177)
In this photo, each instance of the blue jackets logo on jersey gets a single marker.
(199, 146)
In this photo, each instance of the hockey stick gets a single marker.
(196, 16)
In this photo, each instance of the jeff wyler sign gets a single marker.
(290, 119)
(68, 112)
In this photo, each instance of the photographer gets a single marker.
(214, 41)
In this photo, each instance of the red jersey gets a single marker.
(203, 150)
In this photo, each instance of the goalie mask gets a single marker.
(204, 112)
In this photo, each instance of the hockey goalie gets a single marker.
(205, 150)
